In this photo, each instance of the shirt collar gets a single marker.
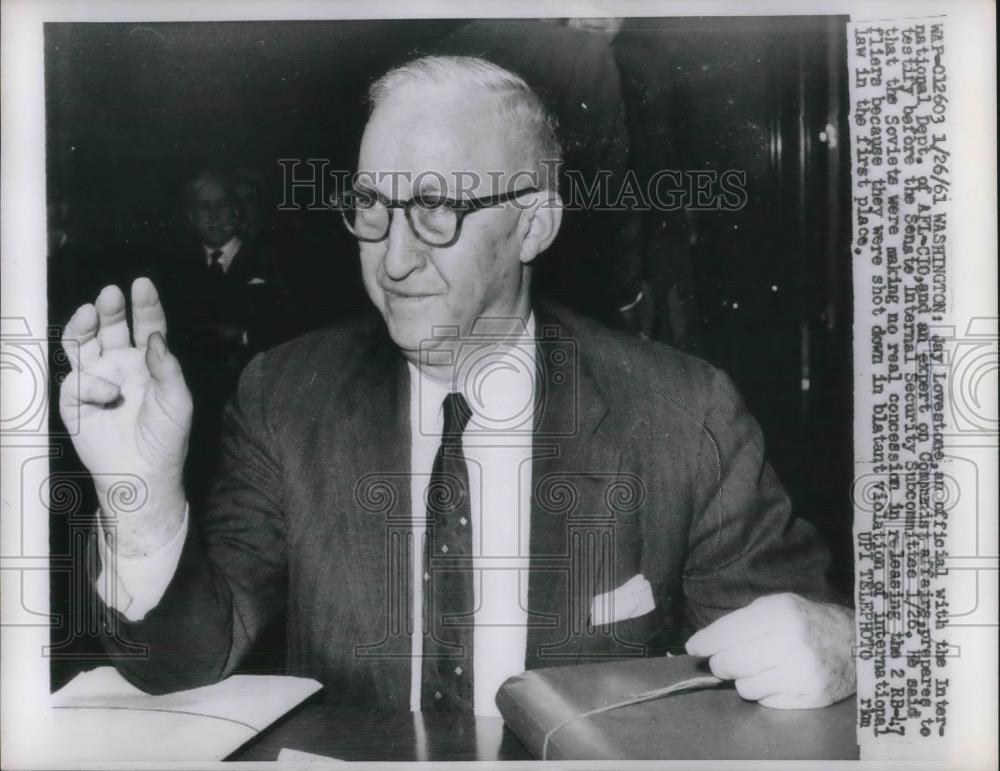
(228, 249)
(497, 381)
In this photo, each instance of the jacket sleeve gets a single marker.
(232, 576)
(744, 541)
(135, 585)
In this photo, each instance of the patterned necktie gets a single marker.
(446, 675)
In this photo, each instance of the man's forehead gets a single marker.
(427, 133)
(209, 189)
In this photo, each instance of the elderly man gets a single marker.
(468, 483)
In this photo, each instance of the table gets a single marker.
(349, 734)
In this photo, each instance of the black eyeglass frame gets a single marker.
(461, 209)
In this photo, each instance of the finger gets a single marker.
(162, 364)
(87, 388)
(167, 375)
(79, 338)
(750, 658)
(788, 700)
(762, 685)
(755, 620)
(113, 330)
(147, 312)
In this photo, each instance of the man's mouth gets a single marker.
(395, 294)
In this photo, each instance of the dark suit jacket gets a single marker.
(645, 460)
(246, 296)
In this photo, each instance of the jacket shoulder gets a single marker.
(630, 370)
(327, 356)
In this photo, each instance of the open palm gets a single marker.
(126, 405)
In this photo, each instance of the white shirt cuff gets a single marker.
(135, 585)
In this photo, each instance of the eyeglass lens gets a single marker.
(369, 218)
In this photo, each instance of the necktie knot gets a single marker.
(216, 261)
(457, 413)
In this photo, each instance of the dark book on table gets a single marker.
(570, 713)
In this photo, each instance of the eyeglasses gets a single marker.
(435, 220)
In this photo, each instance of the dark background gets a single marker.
(133, 111)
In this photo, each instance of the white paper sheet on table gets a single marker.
(100, 716)
(290, 754)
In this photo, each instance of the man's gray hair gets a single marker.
(517, 103)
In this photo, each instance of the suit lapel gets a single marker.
(574, 464)
(242, 267)
(375, 467)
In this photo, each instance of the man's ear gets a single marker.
(544, 218)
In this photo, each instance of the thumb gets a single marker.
(164, 368)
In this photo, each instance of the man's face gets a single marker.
(416, 286)
(247, 206)
(212, 213)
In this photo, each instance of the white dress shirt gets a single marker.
(499, 384)
(228, 249)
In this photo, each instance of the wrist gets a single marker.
(139, 523)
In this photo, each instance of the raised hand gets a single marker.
(783, 650)
(128, 411)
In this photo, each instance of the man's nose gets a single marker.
(220, 213)
(404, 251)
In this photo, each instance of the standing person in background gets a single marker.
(225, 300)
